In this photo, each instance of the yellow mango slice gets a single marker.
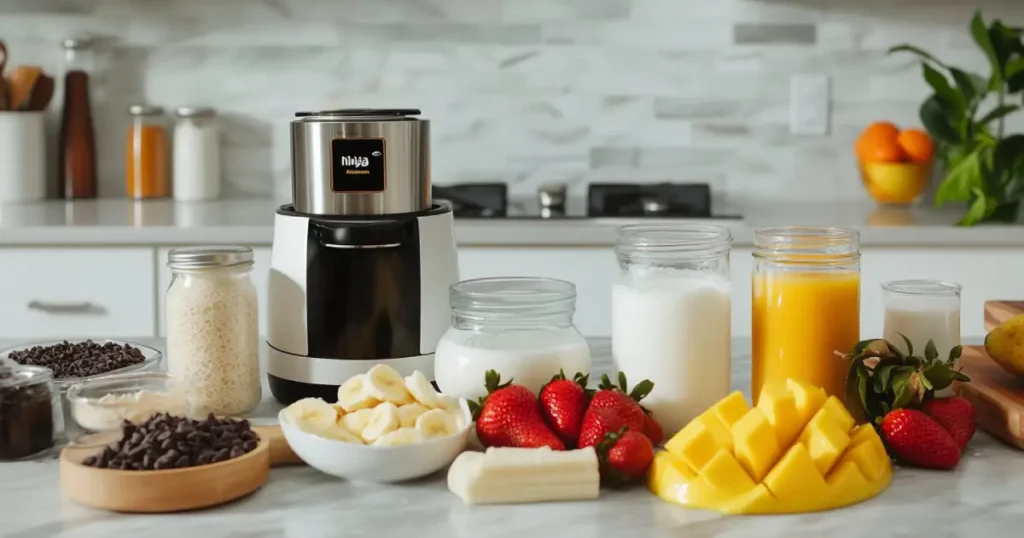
(755, 443)
(796, 451)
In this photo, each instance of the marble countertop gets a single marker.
(980, 498)
(120, 222)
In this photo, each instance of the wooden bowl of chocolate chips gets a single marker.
(173, 464)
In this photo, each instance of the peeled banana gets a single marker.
(381, 408)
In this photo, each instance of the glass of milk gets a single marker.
(671, 316)
(922, 310)
(520, 327)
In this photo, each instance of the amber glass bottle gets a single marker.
(77, 156)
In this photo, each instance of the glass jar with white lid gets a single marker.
(213, 329)
(520, 327)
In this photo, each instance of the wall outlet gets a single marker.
(809, 104)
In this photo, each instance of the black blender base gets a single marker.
(288, 392)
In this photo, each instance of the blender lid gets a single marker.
(361, 113)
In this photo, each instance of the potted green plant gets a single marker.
(966, 115)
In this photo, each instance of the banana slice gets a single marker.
(386, 384)
(356, 421)
(354, 394)
(338, 432)
(408, 413)
(421, 389)
(452, 406)
(339, 411)
(383, 420)
(401, 436)
(311, 414)
(435, 423)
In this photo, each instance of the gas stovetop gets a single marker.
(603, 200)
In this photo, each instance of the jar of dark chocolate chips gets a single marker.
(26, 410)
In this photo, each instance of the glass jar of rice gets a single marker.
(212, 328)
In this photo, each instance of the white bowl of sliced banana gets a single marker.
(383, 428)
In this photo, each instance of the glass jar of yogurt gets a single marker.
(519, 327)
(922, 310)
(212, 328)
(672, 317)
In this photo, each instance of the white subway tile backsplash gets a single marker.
(524, 91)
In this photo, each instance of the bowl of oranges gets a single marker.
(894, 164)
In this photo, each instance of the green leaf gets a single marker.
(925, 382)
(862, 386)
(981, 36)
(1015, 74)
(930, 351)
(941, 119)
(981, 208)
(997, 113)
(910, 347)
(914, 50)
(940, 84)
(901, 388)
(882, 376)
(961, 180)
(940, 375)
(960, 376)
(955, 353)
(972, 87)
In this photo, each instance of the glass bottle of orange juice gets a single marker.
(806, 306)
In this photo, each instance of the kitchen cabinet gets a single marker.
(76, 293)
(984, 273)
(260, 277)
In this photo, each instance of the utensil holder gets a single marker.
(22, 156)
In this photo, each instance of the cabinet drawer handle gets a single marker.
(84, 307)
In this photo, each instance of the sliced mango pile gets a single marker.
(797, 451)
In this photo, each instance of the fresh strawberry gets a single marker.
(625, 456)
(917, 439)
(563, 403)
(653, 430)
(612, 409)
(956, 415)
(509, 416)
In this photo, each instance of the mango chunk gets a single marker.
(796, 451)
(779, 404)
(731, 408)
(694, 444)
(755, 443)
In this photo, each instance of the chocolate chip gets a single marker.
(168, 442)
(80, 359)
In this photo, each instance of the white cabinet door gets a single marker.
(260, 277)
(77, 293)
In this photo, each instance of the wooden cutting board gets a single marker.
(998, 396)
(997, 312)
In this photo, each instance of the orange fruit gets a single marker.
(916, 145)
(879, 142)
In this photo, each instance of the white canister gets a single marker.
(196, 162)
(22, 156)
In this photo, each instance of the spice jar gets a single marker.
(519, 327)
(196, 155)
(146, 164)
(806, 306)
(212, 328)
(672, 317)
(27, 404)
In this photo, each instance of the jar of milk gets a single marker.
(671, 316)
(212, 328)
(519, 327)
(922, 310)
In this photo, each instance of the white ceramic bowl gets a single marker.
(368, 463)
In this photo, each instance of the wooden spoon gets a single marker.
(171, 490)
(42, 94)
(22, 81)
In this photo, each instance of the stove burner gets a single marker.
(475, 199)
